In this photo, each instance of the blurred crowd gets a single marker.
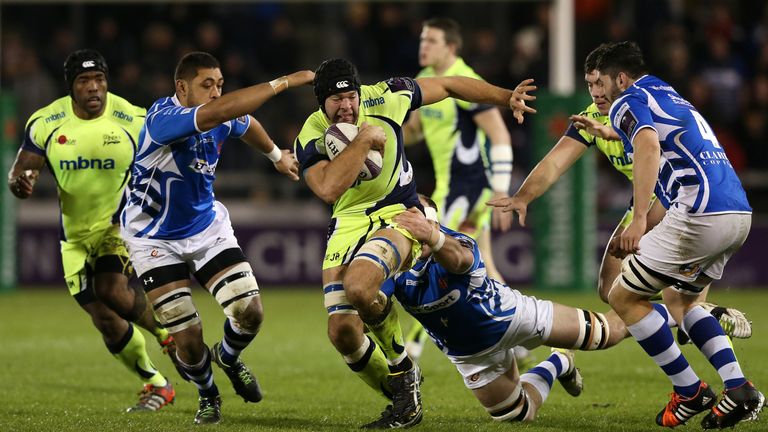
(715, 53)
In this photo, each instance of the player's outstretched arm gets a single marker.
(500, 158)
(330, 179)
(435, 89)
(446, 249)
(552, 167)
(285, 162)
(594, 127)
(244, 101)
(24, 173)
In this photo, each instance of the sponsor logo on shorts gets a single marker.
(474, 377)
(148, 281)
(332, 257)
(154, 253)
(690, 270)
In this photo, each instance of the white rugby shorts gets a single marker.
(530, 327)
(195, 251)
(685, 246)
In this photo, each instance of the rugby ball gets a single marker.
(337, 138)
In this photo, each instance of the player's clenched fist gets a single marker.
(374, 135)
(21, 185)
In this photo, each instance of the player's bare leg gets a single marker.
(347, 334)
(385, 253)
(175, 310)
(127, 344)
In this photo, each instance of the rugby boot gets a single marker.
(152, 398)
(742, 403)
(679, 409)
(406, 408)
(209, 411)
(571, 380)
(243, 381)
(733, 321)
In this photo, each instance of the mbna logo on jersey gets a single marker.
(82, 163)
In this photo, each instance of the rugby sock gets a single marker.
(653, 335)
(661, 308)
(543, 375)
(161, 334)
(234, 342)
(131, 350)
(389, 336)
(201, 375)
(707, 334)
(370, 364)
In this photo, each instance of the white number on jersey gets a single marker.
(704, 129)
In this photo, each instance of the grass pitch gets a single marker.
(57, 375)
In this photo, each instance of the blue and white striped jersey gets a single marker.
(171, 191)
(464, 314)
(695, 175)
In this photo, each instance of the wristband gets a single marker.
(278, 83)
(440, 242)
(501, 167)
(275, 155)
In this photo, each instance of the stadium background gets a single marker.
(713, 52)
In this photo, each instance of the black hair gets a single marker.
(81, 61)
(590, 63)
(190, 63)
(335, 76)
(622, 57)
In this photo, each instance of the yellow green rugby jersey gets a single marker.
(612, 149)
(457, 146)
(384, 104)
(90, 160)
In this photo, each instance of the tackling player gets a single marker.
(88, 140)
(457, 134)
(365, 247)
(173, 224)
(476, 321)
(707, 220)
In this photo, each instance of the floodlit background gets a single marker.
(57, 374)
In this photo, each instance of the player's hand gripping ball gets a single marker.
(337, 138)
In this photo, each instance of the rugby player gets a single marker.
(365, 247)
(88, 140)
(458, 133)
(478, 321)
(708, 218)
(173, 224)
(591, 129)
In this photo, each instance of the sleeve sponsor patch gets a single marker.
(628, 123)
(400, 84)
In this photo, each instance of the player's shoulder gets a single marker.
(461, 68)
(122, 111)
(53, 114)
(427, 72)
(314, 127)
(463, 239)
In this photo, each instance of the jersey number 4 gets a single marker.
(704, 129)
